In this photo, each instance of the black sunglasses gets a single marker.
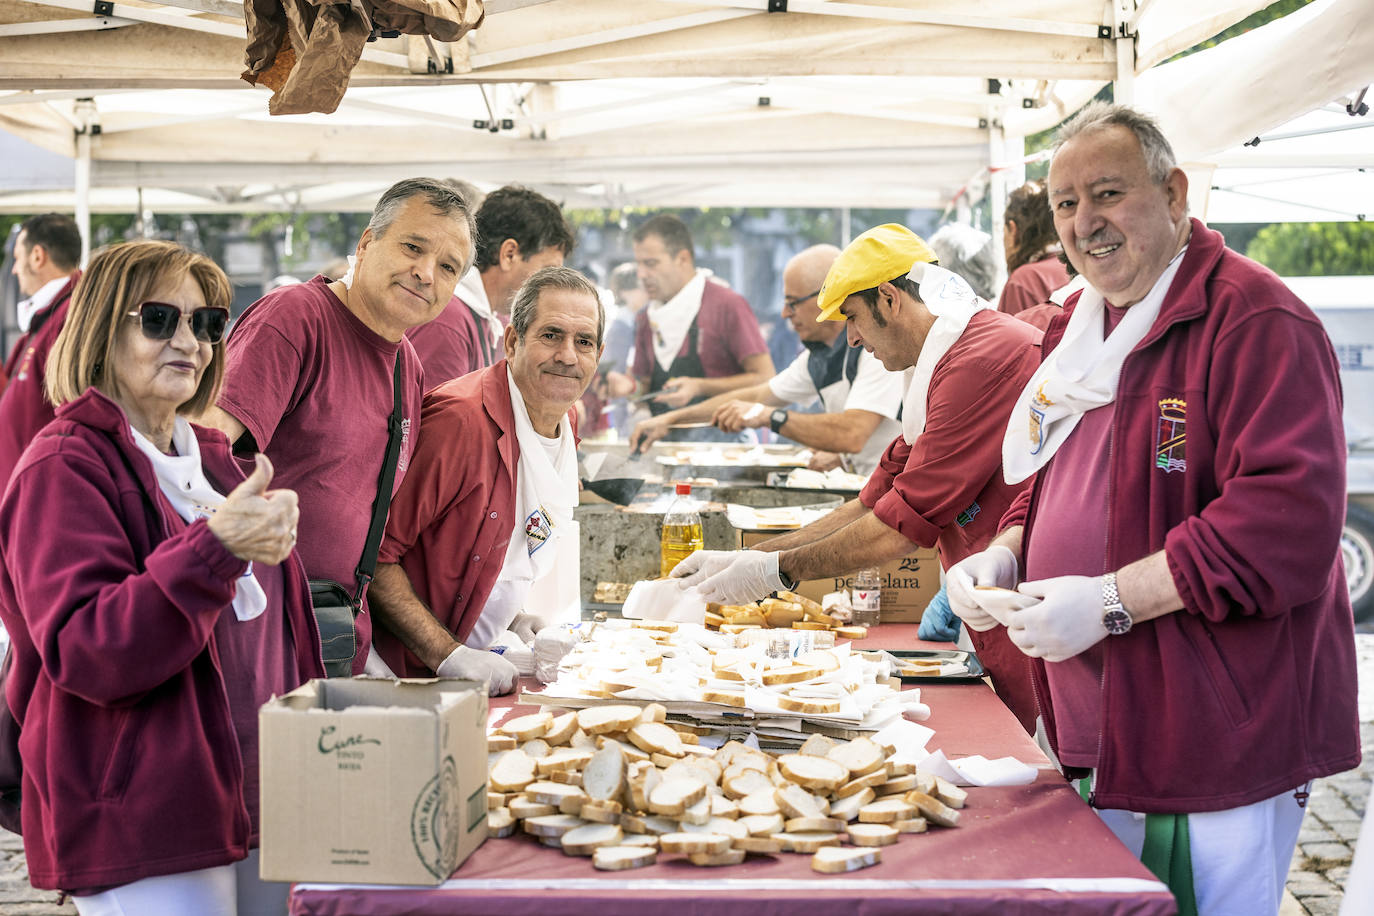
(160, 320)
(793, 303)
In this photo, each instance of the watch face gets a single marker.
(1117, 621)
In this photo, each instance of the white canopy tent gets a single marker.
(1266, 142)
(596, 102)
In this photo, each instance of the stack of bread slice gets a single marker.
(623, 785)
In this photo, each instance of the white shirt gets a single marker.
(474, 295)
(545, 496)
(27, 308)
(874, 389)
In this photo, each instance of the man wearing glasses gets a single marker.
(862, 400)
(309, 379)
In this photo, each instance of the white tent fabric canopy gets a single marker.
(597, 102)
(1313, 161)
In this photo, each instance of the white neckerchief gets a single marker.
(347, 278)
(1061, 295)
(952, 301)
(26, 308)
(1082, 373)
(545, 495)
(474, 294)
(670, 321)
(182, 480)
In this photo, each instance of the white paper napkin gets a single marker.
(664, 599)
(908, 738)
(978, 770)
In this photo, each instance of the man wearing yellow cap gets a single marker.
(940, 482)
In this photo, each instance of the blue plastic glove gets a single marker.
(938, 621)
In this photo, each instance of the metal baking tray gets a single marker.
(976, 671)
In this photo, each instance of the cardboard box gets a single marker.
(908, 583)
(373, 781)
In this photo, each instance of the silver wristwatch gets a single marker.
(1114, 616)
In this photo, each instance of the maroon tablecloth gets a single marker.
(1028, 849)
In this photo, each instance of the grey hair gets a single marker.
(526, 302)
(967, 252)
(440, 195)
(1098, 116)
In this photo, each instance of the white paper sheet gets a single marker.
(664, 599)
(978, 770)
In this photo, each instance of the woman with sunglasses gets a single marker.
(154, 601)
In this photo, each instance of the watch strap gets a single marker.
(1115, 618)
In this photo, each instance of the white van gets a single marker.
(1346, 306)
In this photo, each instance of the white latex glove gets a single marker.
(995, 566)
(480, 665)
(696, 566)
(746, 576)
(1067, 620)
(525, 626)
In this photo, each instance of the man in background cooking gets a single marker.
(1182, 595)
(862, 399)
(518, 232)
(696, 338)
(486, 530)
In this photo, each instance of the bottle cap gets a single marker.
(683, 489)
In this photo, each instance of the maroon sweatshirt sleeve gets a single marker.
(952, 460)
(1265, 544)
(109, 629)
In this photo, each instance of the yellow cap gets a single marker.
(881, 254)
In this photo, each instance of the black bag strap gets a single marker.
(367, 564)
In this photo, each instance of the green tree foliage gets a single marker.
(1253, 21)
(1315, 249)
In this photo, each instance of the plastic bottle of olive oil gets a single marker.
(681, 530)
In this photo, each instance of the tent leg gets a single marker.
(86, 114)
(1123, 88)
(997, 184)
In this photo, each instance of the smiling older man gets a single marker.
(1183, 594)
(312, 371)
(478, 535)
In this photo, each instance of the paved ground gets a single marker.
(1321, 863)
(1315, 881)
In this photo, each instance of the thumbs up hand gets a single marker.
(257, 524)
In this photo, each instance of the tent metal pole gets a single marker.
(86, 114)
(997, 182)
(1123, 89)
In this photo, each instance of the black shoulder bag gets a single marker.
(335, 608)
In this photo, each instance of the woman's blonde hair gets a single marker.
(119, 279)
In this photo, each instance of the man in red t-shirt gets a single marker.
(940, 482)
(309, 378)
(46, 254)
